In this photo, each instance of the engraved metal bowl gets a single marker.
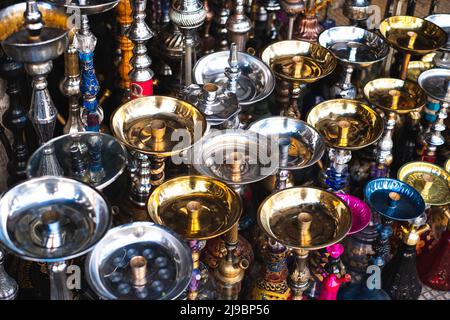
(86, 7)
(436, 84)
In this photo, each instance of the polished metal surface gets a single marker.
(416, 67)
(383, 93)
(442, 20)
(432, 181)
(354, 46)
(394, 199)
(168, 260)
(195, 207)
(113, 155)
(86, 7)
(280, 217)
(51, 219)
(237, 157)
(52, 41)
(255, 83)
(436, 84)
(158, 125)
(346, 124)
(361, 214)
(299, 61)
(412, 34)
(306, 144)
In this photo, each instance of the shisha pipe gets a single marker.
(309, 27)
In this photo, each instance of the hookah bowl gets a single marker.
(412, 36)
(94, 158)
(151, 128)
(52, 220)
(36, 34)
(346, 125)
(139, 261)
(436, 84)
(354, 48)
(442, 58)
(201, 208)
(304, 219)
(298, 63)
(394, 97)
(254, 83)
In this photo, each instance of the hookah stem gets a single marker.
(188, 58)
(410, 7)
(405, 64)
(195, 279)
(58, 281)
(433, 6)
(290, 27)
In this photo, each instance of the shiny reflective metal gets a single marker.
(416, 67)
(394, 199)
(132, 124)
(361, 214)
(53, 39)
(412, 34)
(436, 84)
(114, 156)
(144, 239)
(443, 21)
(317, 61)
(354, 46)
(255, 83)
(86, 7)
(279, 214)
(306, 144)
(383, 93)
(195, 207)
(52, 219)
(238, 157)
(430, 180)
(346, 124)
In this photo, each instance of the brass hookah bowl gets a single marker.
(304, 219)
(297, 63)
(201, 208)
(154, 128)
(412, 36)
(346, 125)
(394, 97)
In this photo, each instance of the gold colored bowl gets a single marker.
(158, 125)
(412, 34)
(305, 218)
(430, 180)
(346, 124)
(195, 207)
(384, 92)
(299, 61)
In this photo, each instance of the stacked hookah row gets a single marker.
(268, 155)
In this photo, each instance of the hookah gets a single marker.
(346, 125)
(354, 48)
(238, 26)
(442, 57)
(86, 42)
(292, 8)
(272, 7)
(139, 261)
(124, 21)
(309, 28)
(199, 208)
(298, 63)
(55, 220)
(358, 12)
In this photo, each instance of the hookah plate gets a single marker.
(331, 218)
(415, 68)
(361, 214)
(409, 207)
(370, 48)
(397, 29)
(133, 124)
(168, 263)
(215, 154)
(415, 174)
(365, 125)
(306, 144)
(218, 207)
(39, 213)
(436, 84)
(113, 155)
(443, 21)
(89, 7)
(15, 40)
(318, 62)
(378, 92)
(255, 83)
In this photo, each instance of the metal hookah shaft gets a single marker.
(239, 26)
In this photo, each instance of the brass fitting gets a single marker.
(411, 235)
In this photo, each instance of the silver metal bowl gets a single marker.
(436, 84)
(144, 239)
(87, 7)
(442, 20)
(255, 83)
